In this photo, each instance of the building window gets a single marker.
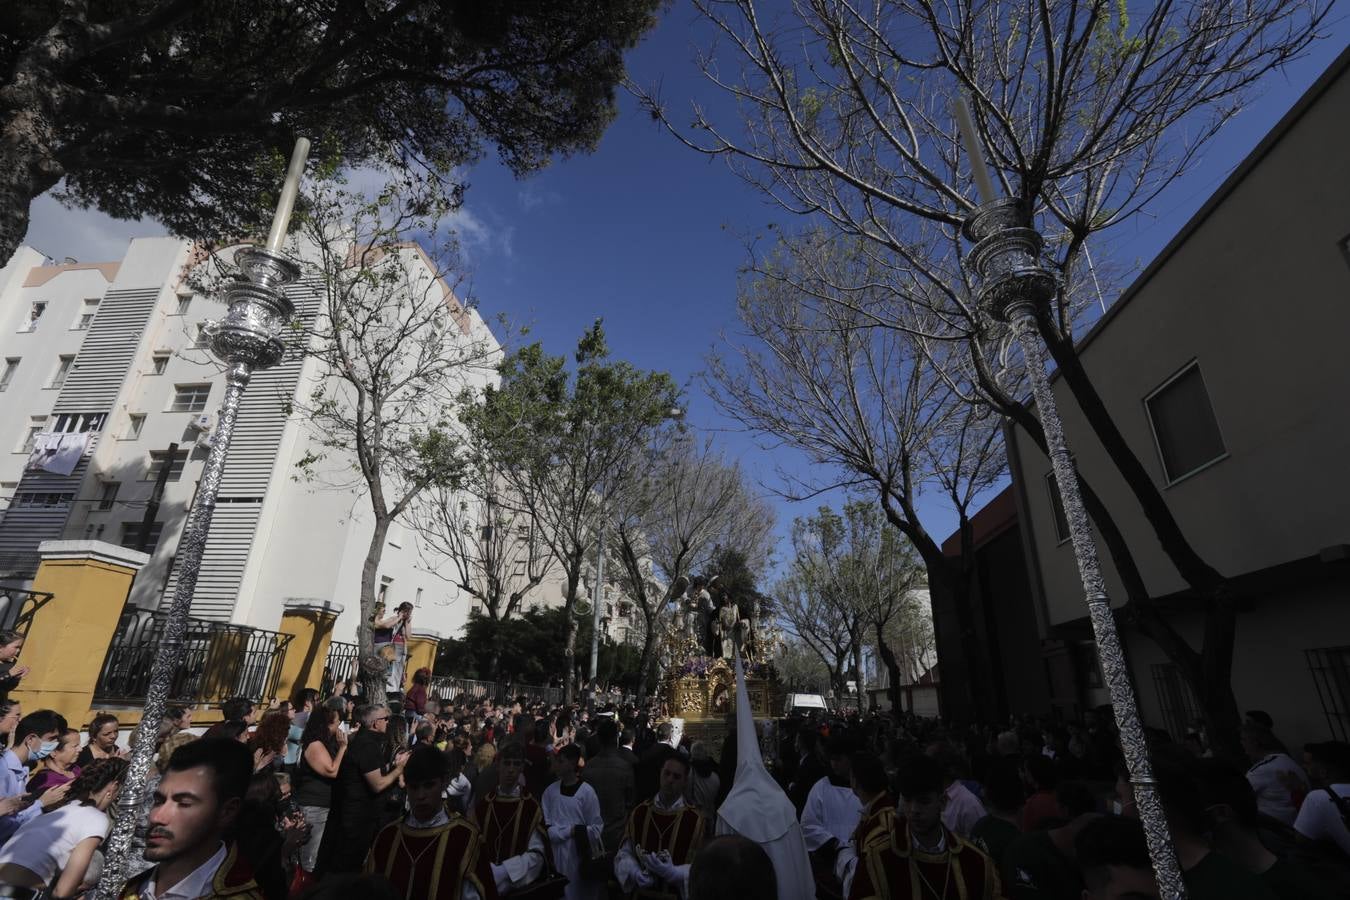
(131, 536)
(42, 500)
(1330, 668)
(79, 423)
(109, 495)
(200, 339)
(11, 366)
(34, 314)
(1184, 427)
(190, 397)
(134, 425)
(417, 598)
(36, 424)
(382, 595)
(157, 460)
(1057, 508)
(87, 313)
(159, 362)
(63, 364)
(1175, 700)
(184, 304)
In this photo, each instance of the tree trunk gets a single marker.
(858, 680)
(570, 631)
(892, 666)
(373, 685)
(645, 666)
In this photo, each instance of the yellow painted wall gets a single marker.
(421, 654)
(70, 634)
(311, 633)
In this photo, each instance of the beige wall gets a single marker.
(1259, 294)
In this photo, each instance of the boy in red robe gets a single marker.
(512, 825)
(662, 836)
(432, 854)
(917, 857)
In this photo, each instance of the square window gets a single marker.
(134, 425)
(36, 425)
(1184, 426)
(34, 314)
(157, 460)
(158, 363)
(109, 494)
(63, 364)
(11, 366)
(131, 536)
(190, 397)
(87, 313)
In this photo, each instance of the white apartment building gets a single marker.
(111, 354)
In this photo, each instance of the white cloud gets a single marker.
(85, 234)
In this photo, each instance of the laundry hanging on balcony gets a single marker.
(58, 453)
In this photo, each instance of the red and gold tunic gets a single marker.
(233, 879)
(678, 831)
(891, 868)
(432, 863)
(506, 824)
(875, 822)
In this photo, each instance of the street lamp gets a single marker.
(1015, 288)
(247, 339)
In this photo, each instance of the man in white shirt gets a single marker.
(1279, 782)
(193, 807)
(1326, 810)
(832, 809)
(962, 808)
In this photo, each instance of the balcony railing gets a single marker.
(472, 691)
(338, 667)
(18, 606)
(220, 661)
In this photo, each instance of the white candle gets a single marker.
(286, 205)
(983, 183)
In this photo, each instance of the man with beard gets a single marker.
(194, 806)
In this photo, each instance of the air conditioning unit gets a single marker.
(203, 422)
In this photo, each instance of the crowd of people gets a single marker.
(420, 796)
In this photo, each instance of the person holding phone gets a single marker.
(35, 737)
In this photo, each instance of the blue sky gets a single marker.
(648, 235)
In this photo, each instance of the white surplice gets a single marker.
(561, 815)
(830, 812)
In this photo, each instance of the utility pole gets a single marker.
(156, 495)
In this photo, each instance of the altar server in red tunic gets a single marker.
(512, 826)
(918, 858)
(661, 838)
(432, 854)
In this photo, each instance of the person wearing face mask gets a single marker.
(63, 842)
(59, 767)
(35, 737)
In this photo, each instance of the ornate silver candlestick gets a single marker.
(1015, 287)
(247, 339)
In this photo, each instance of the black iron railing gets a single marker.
(1176, 702)
(338, 667)
(472, 690)
(220, 661)
(1330, 668)
(18, 606)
